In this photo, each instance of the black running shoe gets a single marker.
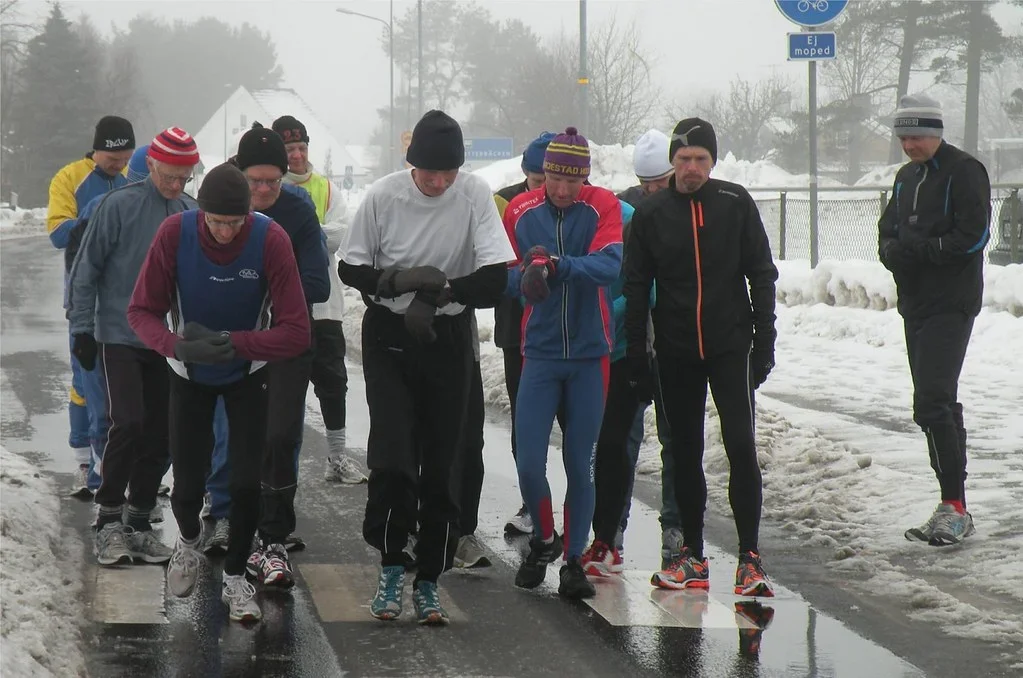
(534, 569)
(574, 584)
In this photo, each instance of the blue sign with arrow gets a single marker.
(811, 13)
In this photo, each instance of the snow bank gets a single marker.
(22, 223)
(867, 284)
(40, 587)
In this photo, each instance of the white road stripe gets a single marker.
(131, 594)
(342, 593)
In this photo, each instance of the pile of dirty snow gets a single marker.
(19, 223)
(40, 588)
(867, 284)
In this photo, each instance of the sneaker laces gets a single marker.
(113, 534)
(276, 557)
(752, 564)
(388, 588)
(347, 465)
(945, 520)
(184, 559)
(597, 551)
(222, 530)
(428, 595)
(239, 591)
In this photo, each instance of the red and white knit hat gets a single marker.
(174, 146)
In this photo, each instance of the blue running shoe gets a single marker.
(386, 603)
(428, 607)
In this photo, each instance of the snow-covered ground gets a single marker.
(40, 587)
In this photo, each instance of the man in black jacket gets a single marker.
(931, 237)
(704, 244)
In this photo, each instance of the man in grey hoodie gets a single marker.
(102, 281)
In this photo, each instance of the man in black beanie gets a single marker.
(426, 247)
(704, 244)
(72, 188)
(262, 160)
(217, 271)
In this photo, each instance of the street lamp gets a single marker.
(390, 39)
(584, 78)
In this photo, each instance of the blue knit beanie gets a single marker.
(137, 169)
(532, 157)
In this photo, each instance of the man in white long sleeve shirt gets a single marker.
(329, 376)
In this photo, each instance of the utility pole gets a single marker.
(584, 80)
(419, 75)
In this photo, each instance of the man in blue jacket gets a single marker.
(263, 160)
(569, 238)
(72, 188)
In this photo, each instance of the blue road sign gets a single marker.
(489, 149)
(811, 46)
(811, 13)
(347, 183)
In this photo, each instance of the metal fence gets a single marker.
(847, 221)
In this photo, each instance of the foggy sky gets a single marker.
(335, 62)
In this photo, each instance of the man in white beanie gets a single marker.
(931, 237)
(653, 168)
(651, 164)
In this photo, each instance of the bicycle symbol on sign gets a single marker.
(816, 5)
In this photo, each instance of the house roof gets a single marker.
(278, 102)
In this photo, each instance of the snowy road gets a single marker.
(835, 616)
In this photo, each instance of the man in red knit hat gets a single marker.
(101, 283)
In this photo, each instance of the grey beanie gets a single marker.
(918, 115)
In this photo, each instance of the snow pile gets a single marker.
(763, 174)
(20, 223)
(867, 284)
(883, 176)
(40, 587)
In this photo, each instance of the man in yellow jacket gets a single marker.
(329, 376)
(71, 189)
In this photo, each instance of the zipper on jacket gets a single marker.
(916, 193)
(696, 208)
(564, 288)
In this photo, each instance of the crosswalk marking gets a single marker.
(342, 593)
(129, 595)
(630, 600)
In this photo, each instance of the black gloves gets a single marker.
(204, 346)
(762, 357)
(895, 254)
(537, 267)
(395, 282)
(419, 317)
(641, 377)
(85, 350)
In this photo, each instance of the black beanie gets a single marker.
(693, 132)
(290, 129)
(262, 146)
(225, 190)
(436, 143)
(113, 134)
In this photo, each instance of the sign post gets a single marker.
(811, 46)
(488, 150)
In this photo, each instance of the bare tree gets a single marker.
(740, 116)
(622, 96)
(14, 34)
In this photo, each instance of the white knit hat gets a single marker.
(650, 159)
(918, 115)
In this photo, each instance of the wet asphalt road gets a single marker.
(323, 628)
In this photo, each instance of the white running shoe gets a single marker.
(345, 470)
(183, 570)
(520, 523)
(145, 547)
(112, 545)
(240, 597)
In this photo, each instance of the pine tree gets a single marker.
(53, 118)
